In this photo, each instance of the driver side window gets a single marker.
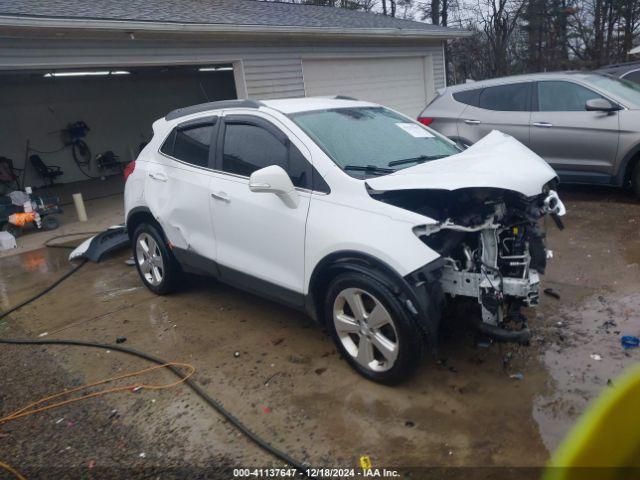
(559, 96)
(249, 147)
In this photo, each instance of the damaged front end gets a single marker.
(484, 220)
(493, 248)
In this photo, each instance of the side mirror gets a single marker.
(273, 179)
(600, 105)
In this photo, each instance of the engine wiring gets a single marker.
(172, 367)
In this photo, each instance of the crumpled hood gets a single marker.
(496, 161)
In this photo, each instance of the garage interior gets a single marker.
(118, 105)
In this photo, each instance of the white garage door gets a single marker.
(401, 83)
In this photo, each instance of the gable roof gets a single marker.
(210, 15)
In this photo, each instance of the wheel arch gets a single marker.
(627, 165)
(140, 215)
(364, 263)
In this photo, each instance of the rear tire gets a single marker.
(372, 328)
(50, 222)
(156, 265)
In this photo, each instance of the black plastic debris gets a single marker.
(552, 293)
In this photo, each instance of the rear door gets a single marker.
(177, 186)
(569, 137)
(502, 107)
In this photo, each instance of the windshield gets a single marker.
(627, 91)
(366, 141)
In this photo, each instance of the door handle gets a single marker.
(158, 176)
(472, 122)
(543, 124)
(221, 196)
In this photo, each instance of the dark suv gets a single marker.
(628, 71)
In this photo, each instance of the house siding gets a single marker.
(271, 70)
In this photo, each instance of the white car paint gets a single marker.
(498, 160)
(260, 235)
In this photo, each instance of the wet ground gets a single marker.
(280, 374)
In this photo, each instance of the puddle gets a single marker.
(583, 354)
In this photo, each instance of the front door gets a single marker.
(569, 137)
(260, 239)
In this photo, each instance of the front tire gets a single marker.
(635, 180)
(155, 263)
(372, 329)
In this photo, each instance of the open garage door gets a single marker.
(119, 105)
(401, 83)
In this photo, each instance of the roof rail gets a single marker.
(203, 107)
(344, 97)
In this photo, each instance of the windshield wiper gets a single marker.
(420, 159)
(373, 169)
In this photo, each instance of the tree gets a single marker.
(520, 36)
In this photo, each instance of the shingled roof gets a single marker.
(245, 13)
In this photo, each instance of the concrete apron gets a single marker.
(290, 386)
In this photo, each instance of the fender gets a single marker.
(414, 295)
(134, 212)
(621, 178)
(138, 212)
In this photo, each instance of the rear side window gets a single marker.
(515, 97)
(633, 76)
(190, 144)
(248, 148)
(559, 96)
(468, 97)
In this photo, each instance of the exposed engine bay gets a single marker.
(493, 246)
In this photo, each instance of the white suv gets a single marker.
(354, 213)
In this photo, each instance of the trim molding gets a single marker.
(193, 262)
(177, 27)
(591, 178)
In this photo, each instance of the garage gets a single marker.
(402, 83)
(117, 68)
(72, 118)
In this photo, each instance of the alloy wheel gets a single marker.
(366, 329)
(149, 259)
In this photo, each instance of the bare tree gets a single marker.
(498, 19)
(519, 36)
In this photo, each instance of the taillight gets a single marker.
(425, 120)
(128, 170)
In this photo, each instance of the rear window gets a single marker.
(468, 97)
(190, 144)
(515, 97)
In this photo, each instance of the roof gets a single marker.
(307, 104)
(529, 77)
(283, 105)
(190, 14)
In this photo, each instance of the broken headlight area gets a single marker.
(494, 251)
